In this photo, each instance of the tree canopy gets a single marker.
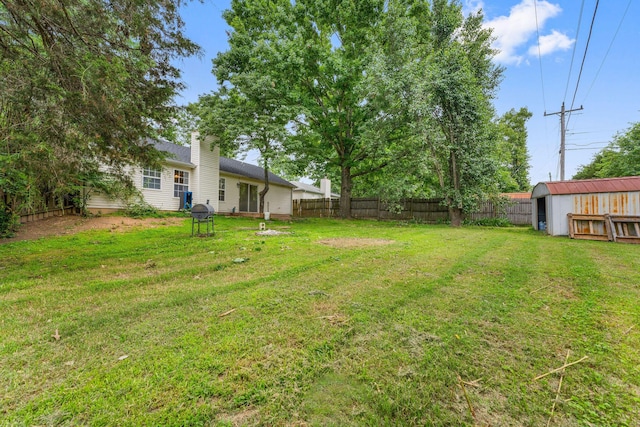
(513, 156)
(453, 81)
(620, 158)
(369, 86)
(83, 83)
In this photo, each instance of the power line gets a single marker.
(535, 8)
(573, 55)
(586, 48)
(588, 144)
(585, 149)
(608, 50)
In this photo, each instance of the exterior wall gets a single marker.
(627, 203)
(557, 209)
(203, 182)
(301, 195)
(206, 173)
(558, 206)
(161, 199)
(278, 200)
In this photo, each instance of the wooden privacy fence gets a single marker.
(518, 211)
(36, 215)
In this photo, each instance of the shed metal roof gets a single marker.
(586, 186)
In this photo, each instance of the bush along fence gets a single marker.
(517, 211)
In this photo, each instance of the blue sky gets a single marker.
(539, 78)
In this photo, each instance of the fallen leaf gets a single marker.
(56, 335)
(124, 356)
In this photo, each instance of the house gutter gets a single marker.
(179, 163)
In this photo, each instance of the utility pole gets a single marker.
(563, 131)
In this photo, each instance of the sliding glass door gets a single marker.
(248, 197)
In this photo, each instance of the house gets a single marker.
(308, 191)
(553, 201)
(239, 187)
(229, 186)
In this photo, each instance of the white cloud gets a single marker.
(515, 30)
(552, 43)
(471, 6)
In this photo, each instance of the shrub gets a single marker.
(141, 209)
(9, 223)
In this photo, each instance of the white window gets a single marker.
(151, 178)
(180, 183)
(222, 184)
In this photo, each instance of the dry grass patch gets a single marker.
(72, 224)
(354, 242)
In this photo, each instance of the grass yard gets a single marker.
(338, 323)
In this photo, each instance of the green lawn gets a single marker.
(426, 325)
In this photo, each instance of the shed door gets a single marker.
(541, 203)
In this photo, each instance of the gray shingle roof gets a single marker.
(176, 152)
(236, 167)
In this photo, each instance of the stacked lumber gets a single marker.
(613, 228)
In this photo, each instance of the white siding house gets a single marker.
(230, 186)
(240, 185)
(193, 169)
(308, 191)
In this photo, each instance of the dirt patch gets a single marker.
(271, 233)
(71, 224)
(245, 417)
(354, 242)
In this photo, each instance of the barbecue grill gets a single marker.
(202, 213)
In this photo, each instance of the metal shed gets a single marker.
(553, 201)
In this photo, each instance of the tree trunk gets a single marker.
(455, 212)
(345, 193)
(265, 190)
(455, 215)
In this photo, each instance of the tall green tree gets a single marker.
(620, 158)
(83, 84)
(378, 84)
(317, 52)
(513, 156)
(249, 111)
(455, 81)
